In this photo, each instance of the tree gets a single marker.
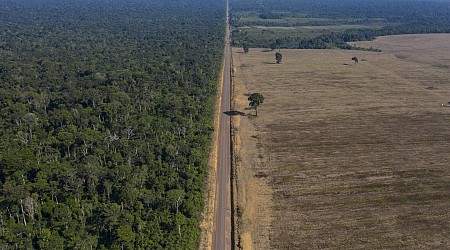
(273, 46)
(255, 99)
(245, 47)
(125, 235)
(355, 59)
(278, 43)
(278, 57)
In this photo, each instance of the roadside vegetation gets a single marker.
(324, 24)
(105, 121)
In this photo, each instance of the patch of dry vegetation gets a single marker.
(343, 155)
(424, 49)
(254, 195)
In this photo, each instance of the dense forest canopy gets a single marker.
(333, 23)
(105, 121)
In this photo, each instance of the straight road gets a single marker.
(223, 160)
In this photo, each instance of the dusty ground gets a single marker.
(254, 195)
(346, 156)
(428, 49)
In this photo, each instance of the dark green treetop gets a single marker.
(278, 57)
(245, 47)
(255, 99)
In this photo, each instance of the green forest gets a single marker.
(106, 112)
(327, 24)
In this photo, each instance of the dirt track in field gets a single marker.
(345, 155)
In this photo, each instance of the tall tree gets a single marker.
(278, 57)
(245, 47)
(255, 99)
(278, 43)
(273, 46)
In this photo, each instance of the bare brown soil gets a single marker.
(424, 49)
(254, 195)
(345, 155)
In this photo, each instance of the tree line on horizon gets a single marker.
(387, 17)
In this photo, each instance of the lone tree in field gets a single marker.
(355, 59)
(278, 43)
(273, 46)
(278, 57)
(245, 47)
(255, 99)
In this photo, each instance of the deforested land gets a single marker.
(345, 155)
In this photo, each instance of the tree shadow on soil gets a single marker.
(266, 50)
(234, 113)
(269, 63)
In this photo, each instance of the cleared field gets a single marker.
(344, 155)
(285, 21)
(424, 49)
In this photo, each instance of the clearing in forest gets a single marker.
(345, 155)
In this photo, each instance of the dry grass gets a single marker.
(254, 195)
(346, 156)
(415, 48)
